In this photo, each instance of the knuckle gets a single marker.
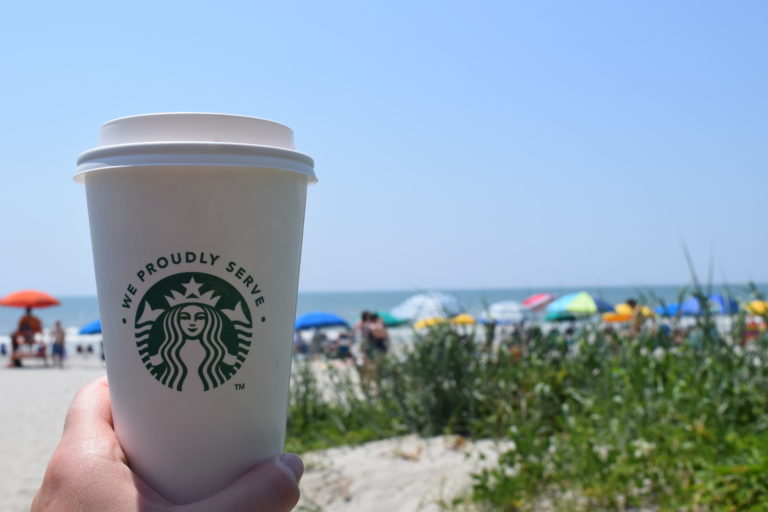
(284, 488)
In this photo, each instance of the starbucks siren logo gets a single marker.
(193, 330)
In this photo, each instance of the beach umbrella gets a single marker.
(429, 322)
(626, 309)
(578, 304)
(504, 312)
(670, 309)
(318, 319)
(539, 301)
(463, 319)
(390, 320)
(717, 304)
(428, 305)
(559, 316)
(613, 318)
(91, 328)
(757, 307)
(28, 299)
(625, 313)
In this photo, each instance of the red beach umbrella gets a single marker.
(28, 299)
(539, 301)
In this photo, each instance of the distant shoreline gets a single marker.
(78, 310)
(526, 288)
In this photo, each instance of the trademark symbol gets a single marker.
(240, 387)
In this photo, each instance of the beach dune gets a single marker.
(405, 474)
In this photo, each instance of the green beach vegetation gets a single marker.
(600, 420)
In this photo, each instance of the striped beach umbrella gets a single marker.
(539, 301)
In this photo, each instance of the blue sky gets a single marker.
(479, 145)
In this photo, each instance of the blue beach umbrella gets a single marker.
(717, 304)
(670, 309)
(317, 319)
(91, 328)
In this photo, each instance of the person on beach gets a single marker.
(371, 340)
(317, 344)
(30, 326)
(89, 471)
(300, 346)
(378, 336)
(26, 334)
(362, 326)
(59, 336)
(638, 317)
(344, 345)
(375, 339)
(17, 340)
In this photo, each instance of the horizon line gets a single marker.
(532, 288)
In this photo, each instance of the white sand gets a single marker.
(34, 404)
(405, 474)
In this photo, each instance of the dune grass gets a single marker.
(600, 420)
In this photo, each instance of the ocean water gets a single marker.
(75, 312)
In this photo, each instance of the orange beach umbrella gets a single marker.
(28, 299)
(626, 309)
(617, 317)
(626, 313)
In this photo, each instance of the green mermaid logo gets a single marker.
(193, 324)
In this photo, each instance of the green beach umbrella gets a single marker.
(390, 320)
(559, 316)
(577, 304)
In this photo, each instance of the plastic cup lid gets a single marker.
(200, 139)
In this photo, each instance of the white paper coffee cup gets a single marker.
(196, 223)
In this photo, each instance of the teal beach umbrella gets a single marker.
(576, 305)
(391, 320)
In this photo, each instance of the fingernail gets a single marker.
(292, 462)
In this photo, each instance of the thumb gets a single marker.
(269, 486)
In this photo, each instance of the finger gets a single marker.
(90, 408)
(270, 486)
(89, 421)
